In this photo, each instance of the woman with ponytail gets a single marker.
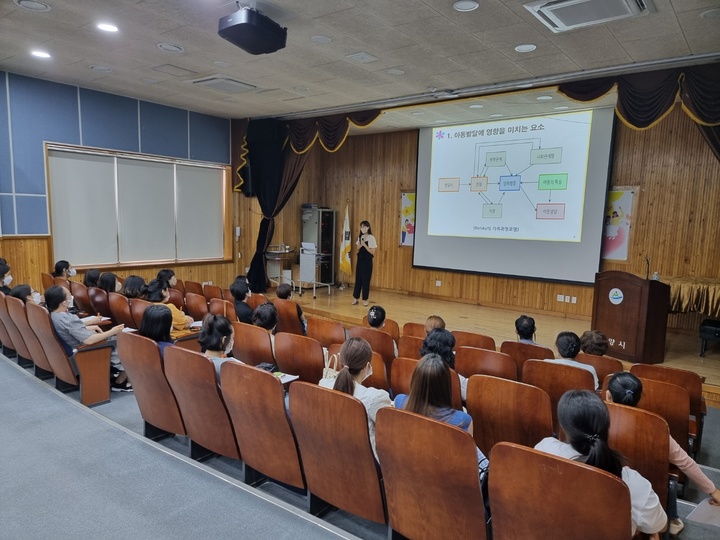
(585, 422)
(626, 389)
(568, 347)
(216, 339)
(355, 357)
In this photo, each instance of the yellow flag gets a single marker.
(345, 265)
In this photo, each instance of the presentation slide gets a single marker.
(520, 197)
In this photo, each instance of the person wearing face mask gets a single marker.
(157, 293)
(64, 269)
(27, 294)
(5, 278)
(367, 245)
(355, 357)
(216, 340)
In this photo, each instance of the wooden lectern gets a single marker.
(632, 312)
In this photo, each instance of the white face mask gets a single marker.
(7, 280)
(70, 302)
(36, 297)
(369, 371)
(228, 347)
(118, 286)
(72, 272)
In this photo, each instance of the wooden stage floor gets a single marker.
(682, 350)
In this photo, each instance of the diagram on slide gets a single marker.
(521, 179)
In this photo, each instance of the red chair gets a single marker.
(288, 320)
(193, 287)
(414, 329)
(409, 346)
(212, 291)
(81, 298)
(177, 298)
(120, 309)
(222, 307)
(100, 303)
(299, 355)
(471, 361)
(137, 308)
(325, 331)
(472, 339)
(18, 314)
(252, 344)
(196, 305)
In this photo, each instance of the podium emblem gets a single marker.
(615, 296)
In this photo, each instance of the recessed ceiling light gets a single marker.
(105, 27)
(41, 54)
(363, 57)
(463, 6)
(101, 69)
(321, 40)
(396, 71)
(221, 63)
(170, 48)
(476, 106)
(711, 14)
(544, 98)
(32, 5)
(562, 108)
(526, 47)
(496, 115)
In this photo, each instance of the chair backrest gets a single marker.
(380, 342)
(332, 432)
(99, 301)
(120, 309)
(177, 298)
(325, 331)
(400, 381)
(563, 498)
(218, 306)
(672, 403)
(15, 337)
(227, 295)
(81, 297)
(414, 329)
(255, 401)
(473, 361)
(62, 282)
(5, 338)
(39, 320)
(556, 379)
(140, 357)
(137, 308)
(429, 497)
(194, 383)
(604, 365)
(390, 326)
(17, 311)
(47, 280)
(196, 305)
(255, 300)
(179, 286)
(510, 411)
(409, 346)
(472, 339)
(252, 344)
(643, 438)
(288, 320)
(299, 355)
(521, 352)
(193, 287)
(212, 291)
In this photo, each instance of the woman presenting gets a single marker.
(367, 245)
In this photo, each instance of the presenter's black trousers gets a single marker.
(363, 273)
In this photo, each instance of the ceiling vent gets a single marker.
(224, 85)
(563, 15)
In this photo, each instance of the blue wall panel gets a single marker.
(32, 215)
(109, 121)
(163, 130)
(209, 138)
(7, 214)
(40, 111)
(5, 174)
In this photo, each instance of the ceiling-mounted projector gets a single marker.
(253, 32)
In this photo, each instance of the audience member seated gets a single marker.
(91, 277)
(156, 324)
(133, 287)
(27, 294)
(433, 322)
(64, 269)
(626, 389)
(216, 339)
(284, 291)
(240, 291)
(525, 329)
(585, 421)
(73, 333)
(441, 342)
(168, 276)
(568, 347)
(594, 342)
(266, 316)
(108, 282)
(157, 293)
(355, 357)
(431, 396)
(5, 278)
(376, 319)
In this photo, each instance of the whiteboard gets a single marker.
(110, 208)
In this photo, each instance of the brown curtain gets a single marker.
(238, 150)
(330, 130)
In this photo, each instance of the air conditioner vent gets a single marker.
(564, 15)
(225, 85)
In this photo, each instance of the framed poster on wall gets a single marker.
(407, 219)
(618, 222)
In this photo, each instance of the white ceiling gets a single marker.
(443, 53)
